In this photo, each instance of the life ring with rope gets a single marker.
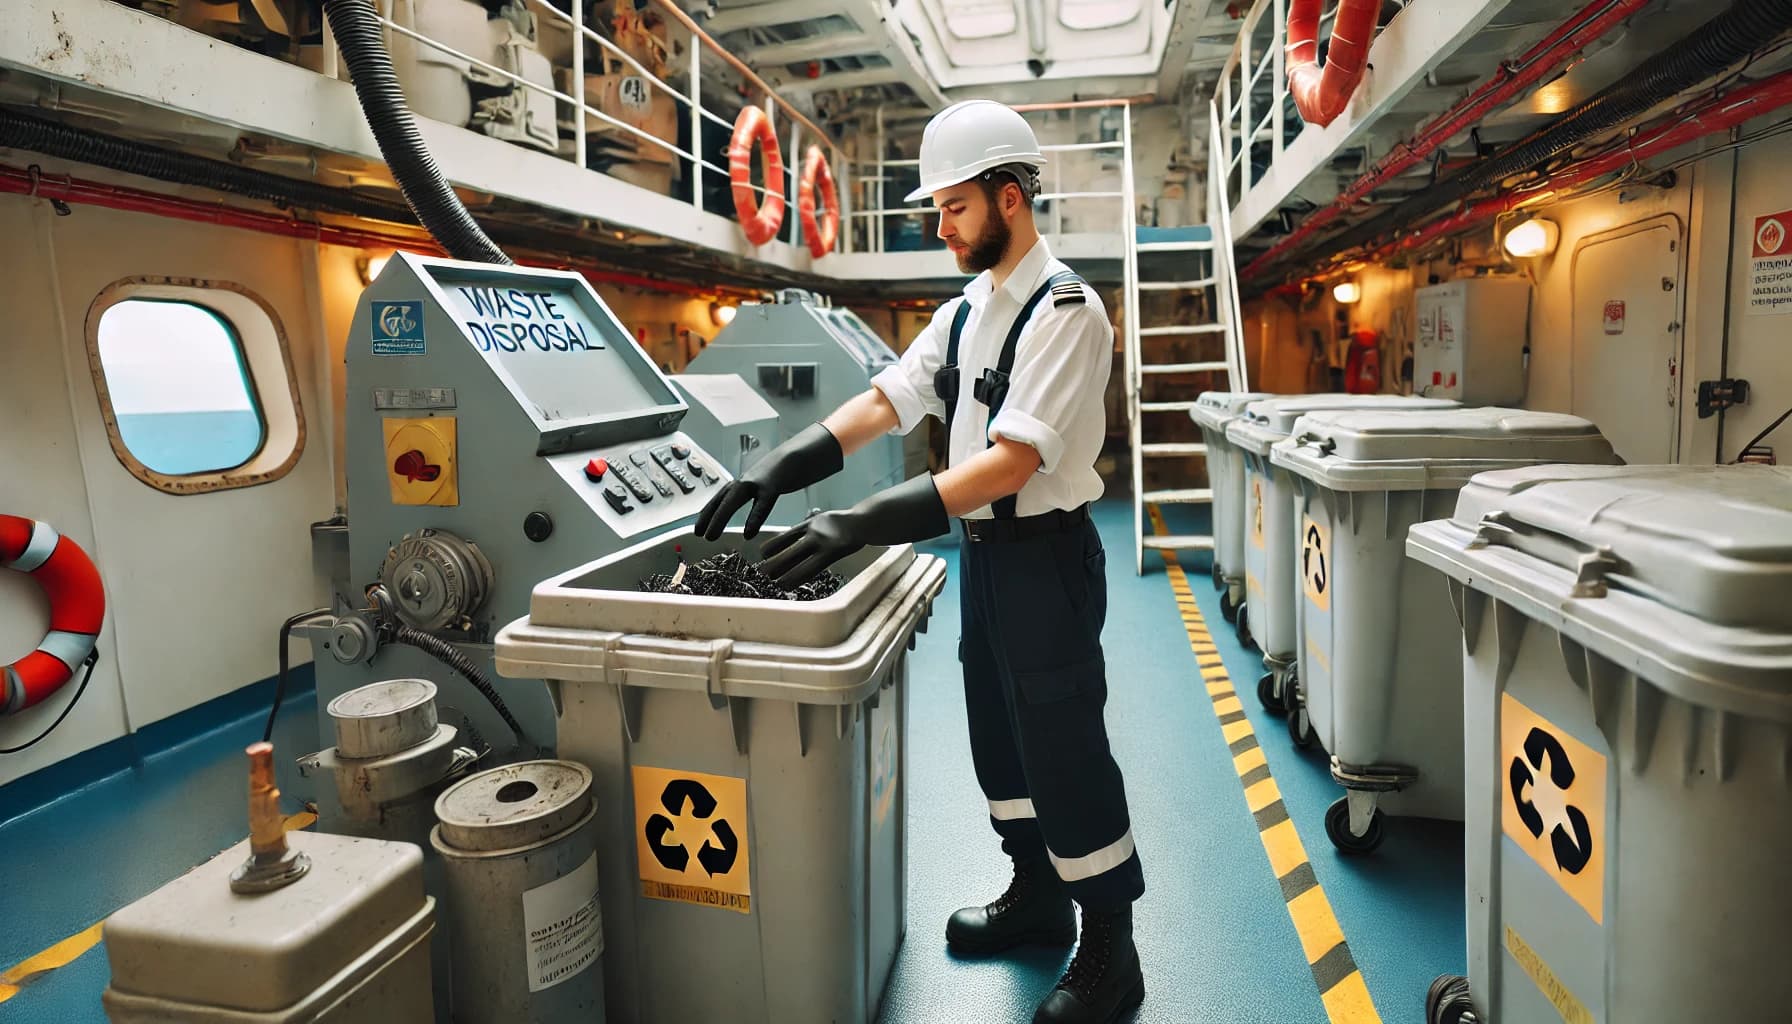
(816, 171)
(760, 222)
(77, 607)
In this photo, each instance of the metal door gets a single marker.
(1627, 287)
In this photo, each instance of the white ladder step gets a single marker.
(1164, 368)
(1170, 449)
(1190, 496)
(1168, 406)
(1174, 543)
(1175, 247)
(1176, 286)
(1161, 332)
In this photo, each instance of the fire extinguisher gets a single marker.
(1362, 368)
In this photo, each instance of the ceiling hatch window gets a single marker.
(1089, 15)
(980, 19)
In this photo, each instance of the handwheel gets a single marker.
(1228, 610)
(1266, 694)
(1337, 829)
(1448, 1002)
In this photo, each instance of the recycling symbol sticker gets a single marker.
(691, 838)
(1315, 563)
(1554, 802)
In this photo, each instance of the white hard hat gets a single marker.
(966, 139)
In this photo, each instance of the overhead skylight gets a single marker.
(1088, 15)
(980, 19)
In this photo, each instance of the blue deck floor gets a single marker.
(1213, 929)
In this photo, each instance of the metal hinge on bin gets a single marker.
(1590, 563)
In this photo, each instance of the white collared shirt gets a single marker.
(1056, 395)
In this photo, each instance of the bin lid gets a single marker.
(1685, 567)
(195, 941)
(1268, 421)
(513, 807)
(1214, 409)
(1366, 450)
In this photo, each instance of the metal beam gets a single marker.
(1413, 45)
(777, 12)
(1186, 23)
(855, 79)
(834, 44)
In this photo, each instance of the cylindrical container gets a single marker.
(519, 849)
(1225, 474)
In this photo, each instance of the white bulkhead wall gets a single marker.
(196, 585)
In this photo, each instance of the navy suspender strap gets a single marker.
(945, 381)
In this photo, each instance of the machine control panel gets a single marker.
(642, 485)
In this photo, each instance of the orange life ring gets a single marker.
(761, 223)
(77, 607)
(815, 169)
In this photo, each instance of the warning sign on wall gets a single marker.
(691, 838)
(1770, 269)
(1554, 806)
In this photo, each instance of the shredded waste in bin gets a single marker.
(730, 575)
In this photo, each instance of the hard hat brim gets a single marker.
(928, 188)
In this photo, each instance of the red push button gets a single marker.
(596, 468)
(1437, 377)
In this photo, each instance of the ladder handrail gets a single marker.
(1219, 214)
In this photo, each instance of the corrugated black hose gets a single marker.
(446, 653)
(438, 209)
(1721, 42)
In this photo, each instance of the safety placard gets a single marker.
(1315, 563)
(691, 838)
(1554, 805)
(1770, 268)
(1256, 511)
(636, 97)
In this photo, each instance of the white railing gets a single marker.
(587, 118)
(1225, 269)
(1240, 85)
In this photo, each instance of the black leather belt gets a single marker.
(995, 531)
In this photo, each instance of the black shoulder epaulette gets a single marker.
(1069, 292)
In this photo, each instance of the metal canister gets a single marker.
(519, 848)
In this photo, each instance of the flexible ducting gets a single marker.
(445, 652)
(1721, 42)
(359, 35)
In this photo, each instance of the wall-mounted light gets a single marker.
(369, 267)
(1347, 293)
(1533, 238)
(722, 315)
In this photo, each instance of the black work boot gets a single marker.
(1035, 909)
(1104, 982)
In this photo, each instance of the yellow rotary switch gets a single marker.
(420, 461)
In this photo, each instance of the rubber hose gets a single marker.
(445, 652)
(286, 628)
(361, 38)
(18, 131)
(1721, 42)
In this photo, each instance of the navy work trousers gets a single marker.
(1035, 684)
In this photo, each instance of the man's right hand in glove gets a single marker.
(808, 458)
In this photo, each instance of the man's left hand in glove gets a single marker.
(910, 511)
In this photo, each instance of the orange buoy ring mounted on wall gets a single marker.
(820, 237)
(77, 606)
(761, 223)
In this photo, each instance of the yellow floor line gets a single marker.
(33, 968)
(1341, 985)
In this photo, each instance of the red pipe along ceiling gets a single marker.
(1594, 22)
(1321, 94)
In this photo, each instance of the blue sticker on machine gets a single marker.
(397, 328)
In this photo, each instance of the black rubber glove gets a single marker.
(810, 457)
(910, 511)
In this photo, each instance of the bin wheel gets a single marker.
(1219, 577)
(1448, 1002)
(1244, 627)
(1266, 694)
(1337, 829)
(1300, 724)
(1228, 610)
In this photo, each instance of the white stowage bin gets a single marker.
(1381, 679)
(747, 759)
(1627, 672)
(1270, 614)
(1225, 475)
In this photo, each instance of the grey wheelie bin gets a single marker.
(1381, 672)
(1225, 475)
(748, 759)
(1268, 615)
(1627, 671)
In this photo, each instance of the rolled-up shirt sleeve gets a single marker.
(909, 384)
(1056, 361)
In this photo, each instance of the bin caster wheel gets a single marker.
(1244, 628)
(1448, 1002)
(1219, 577)
(1228, 610)
(1300, 725)
(1337, 829)
(1266, 694)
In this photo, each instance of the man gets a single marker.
(1017, 368)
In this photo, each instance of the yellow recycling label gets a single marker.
(1254, 508)
(1315, 562)
(1554, 803)
(691, 838)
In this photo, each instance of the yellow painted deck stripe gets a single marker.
(1347, 1001)
(14, 979)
